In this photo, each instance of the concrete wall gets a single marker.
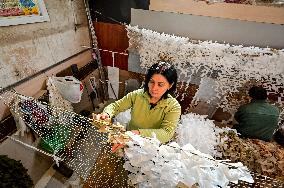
(247, 33)
(27, 49)
(245, 12)
(221, 29)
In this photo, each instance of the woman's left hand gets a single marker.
(116, 147)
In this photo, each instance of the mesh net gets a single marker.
(75, 140)
(68, 136)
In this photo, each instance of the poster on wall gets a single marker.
(15, 12)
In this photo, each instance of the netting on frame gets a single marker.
(69, 137)
(74, 140)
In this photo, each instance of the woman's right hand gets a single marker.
(102, 116)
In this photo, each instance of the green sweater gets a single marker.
(162, 119)
(257, 119)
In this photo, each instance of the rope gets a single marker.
(56, 159)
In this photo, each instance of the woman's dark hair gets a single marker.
(165, 69)
(258, 93)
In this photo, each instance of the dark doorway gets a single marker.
(113, 11)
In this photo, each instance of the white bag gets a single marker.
(69, 87)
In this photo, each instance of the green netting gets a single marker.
(57, 140)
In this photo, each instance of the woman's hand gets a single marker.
(102, 116)
(101, 121)
(135, 132)
(116, 147)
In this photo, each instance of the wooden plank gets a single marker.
(7, 127)
(255, 13)
(112, 37)
(121, 61)
(106, 58)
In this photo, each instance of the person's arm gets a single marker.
(168, 125)
(120, 105)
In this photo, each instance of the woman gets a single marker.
(153, 109)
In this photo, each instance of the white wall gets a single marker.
(231, 31)
(28, 49)
(256, 13)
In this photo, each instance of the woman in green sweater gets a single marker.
(153, 109)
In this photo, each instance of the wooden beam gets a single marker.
(274, 15)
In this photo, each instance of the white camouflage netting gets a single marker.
(230, 66)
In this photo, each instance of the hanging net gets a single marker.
(65, 135)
